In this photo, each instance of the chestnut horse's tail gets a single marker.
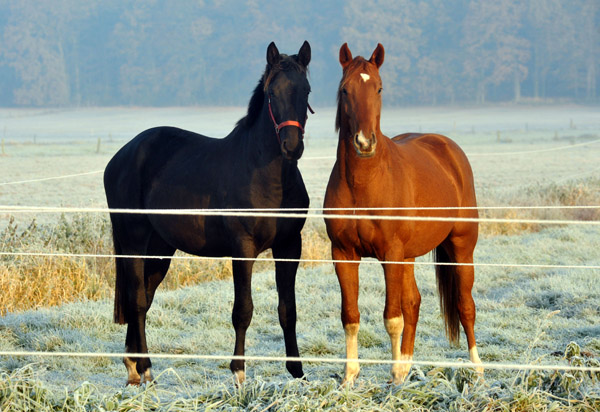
(447, 279)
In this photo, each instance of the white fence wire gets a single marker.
(438, 364)
(314, 261)
(307, 213)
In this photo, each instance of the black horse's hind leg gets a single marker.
(242, 313)
(143, 276)
(155, 271)
(135, 314)
(285, 275)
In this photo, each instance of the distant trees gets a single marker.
(587, 36)
(73, 53)
(496, 51)
(35, 47)
(395, 24)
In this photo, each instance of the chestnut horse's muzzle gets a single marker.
(365, 147)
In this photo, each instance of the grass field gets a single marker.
(520, 156)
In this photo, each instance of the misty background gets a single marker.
(73, 53)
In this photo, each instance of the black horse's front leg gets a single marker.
(242, 314)
(286, 282)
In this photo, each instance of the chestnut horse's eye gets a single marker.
(344, 91)
(380, 90)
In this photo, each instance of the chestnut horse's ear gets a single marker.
(273, 56)
(345, 55)
(304, 54)
(377, 56)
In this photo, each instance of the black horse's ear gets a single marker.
(378, 55)
(304, 54)
(345, 55)
(273, 56)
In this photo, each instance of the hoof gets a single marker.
(351, 373)
(295, 369)
(133, 382)
(397, 380)
(147, 377)
(398, 377)
(239, 377)
(401, 370)
(350, 379)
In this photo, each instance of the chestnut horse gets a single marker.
(379, 176)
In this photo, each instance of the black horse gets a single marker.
(255, 166)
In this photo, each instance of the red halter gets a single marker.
(281, 125)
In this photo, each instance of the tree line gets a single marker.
(212, 52)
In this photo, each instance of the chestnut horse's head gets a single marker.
(359, 99)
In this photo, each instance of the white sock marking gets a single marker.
(352, 368)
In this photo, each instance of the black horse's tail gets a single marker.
(119, 311)
(447, 279)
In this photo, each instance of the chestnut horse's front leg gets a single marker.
(347, 273)
(401, 314)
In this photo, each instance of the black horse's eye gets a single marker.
(344, 91)
(380, 90)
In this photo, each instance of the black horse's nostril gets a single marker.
(292, 148)
(285, 148)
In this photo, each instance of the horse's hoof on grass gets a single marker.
(239, 377)
(133, 382)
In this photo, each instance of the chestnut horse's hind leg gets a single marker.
(285, 275)
(466, 306)
(401, 314)
(461, 251)
(347, 274)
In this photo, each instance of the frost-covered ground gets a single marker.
(511, 149)
(514, 322)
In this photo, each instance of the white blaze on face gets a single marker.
(365, 77)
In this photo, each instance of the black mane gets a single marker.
(286, 63)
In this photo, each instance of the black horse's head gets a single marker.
(280, 99)
(286, 92)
